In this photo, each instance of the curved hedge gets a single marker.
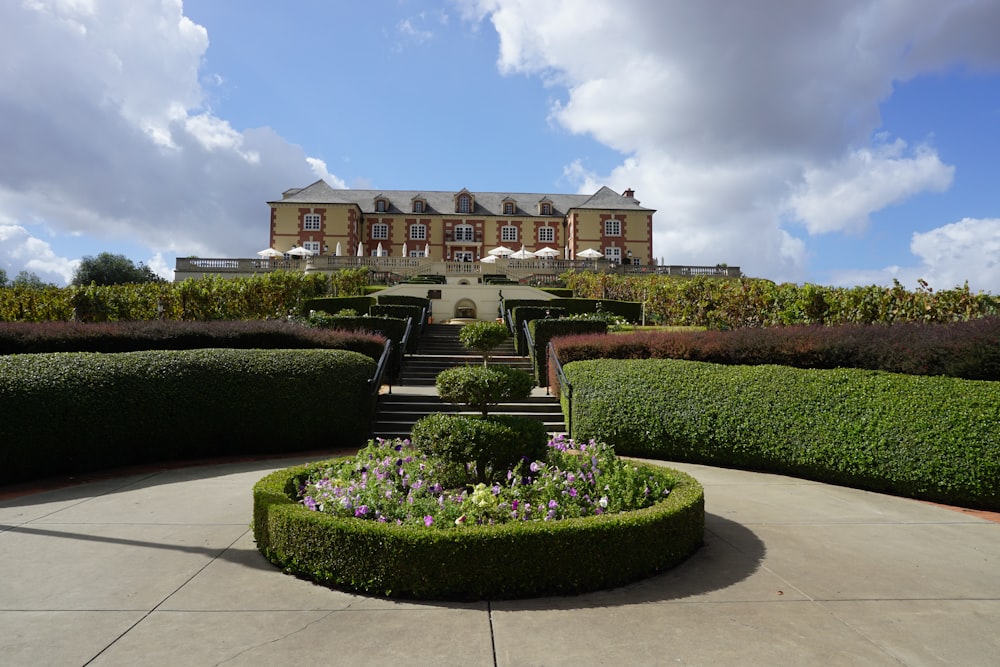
(474, 562)
(934, 438)
(73, 412)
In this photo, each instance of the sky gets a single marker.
(836, 143)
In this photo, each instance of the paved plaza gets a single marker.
(159, 567)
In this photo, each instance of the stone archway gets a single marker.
(465, 309)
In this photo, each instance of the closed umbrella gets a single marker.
(361, 249)
(336, 250)
(404, 248)
(427, 250)
(378, 250)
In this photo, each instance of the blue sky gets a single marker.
(835, 143)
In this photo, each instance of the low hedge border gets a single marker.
(65, 413)
(933, 438)
(475, 562)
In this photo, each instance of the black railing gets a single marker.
(529, 344)
(565, 387)
(375, 383)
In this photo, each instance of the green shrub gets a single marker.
(477, 562)
(72, 412)
(336, 304)
(483, 337)
(923, 437)
(483, 387)
(494, 444)
(542, 331)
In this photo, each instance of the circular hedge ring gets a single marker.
(512, 560)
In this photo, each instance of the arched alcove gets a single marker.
(465, 309)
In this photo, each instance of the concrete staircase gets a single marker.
(414, 396)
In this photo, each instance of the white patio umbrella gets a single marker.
(489, 259)
(522, 254)
(270, 253)
(547, 252)
(361, 249)
(299, 251)
(501, 251)
(589, 253)
(404, 248)
(336, 251)
(378, 250)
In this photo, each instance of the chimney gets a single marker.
(630, 193)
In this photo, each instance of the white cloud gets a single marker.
(744, 122)
(105, 136)
(840, 197)
(18, 248)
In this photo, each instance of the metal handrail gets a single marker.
(529, 343)
(565, 387)
(375, 383)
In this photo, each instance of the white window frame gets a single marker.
(546, 208)
(418, 206)
(508, 234)
(312, 245)
(508, 208)
(418, 232)
(613, 254)
(381, 206)
(463, 256)
(464, 204)
(380, 231)
(613, 227)
(546, 234)
(312, 222)
(465, 233)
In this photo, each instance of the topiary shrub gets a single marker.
(483, 337)
(474, 562)
(493, 445)
(483, 387)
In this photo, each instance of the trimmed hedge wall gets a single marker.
(74, 412)
(522, 314)
(934, 438)
(969, 349)
(542, 331)
(335, 304)
(35, 337)
(475, 562)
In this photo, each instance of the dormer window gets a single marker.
(381, 205)
(545, 207)
(419, 206)
(508, 208)
(464, 204)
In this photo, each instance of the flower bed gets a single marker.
(391, 524)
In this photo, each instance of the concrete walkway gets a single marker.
(160, 568)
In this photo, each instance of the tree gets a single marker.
(3, 278)
(29, 280)
(109, 269)
(483, 337)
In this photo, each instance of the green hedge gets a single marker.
(335, 304)
(475, 562)
(542, 331)
(72, 412)
(934, 438)
(404, 300)
(392, 328)
(522, 314)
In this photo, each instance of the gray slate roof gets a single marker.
(443, 203)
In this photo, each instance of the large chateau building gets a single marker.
(461, 226)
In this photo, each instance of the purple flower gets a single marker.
(428, 520)
(572, 492)
(514, 503)
(553, 504)
(309, 502)
(361, 510)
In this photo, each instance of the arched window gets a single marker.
(464, 204)
(508, 208)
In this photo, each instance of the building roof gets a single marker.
(443, 203)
